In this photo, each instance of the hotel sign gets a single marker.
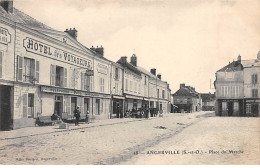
(40, 48)
(5, 36)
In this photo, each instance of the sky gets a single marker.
(187, 41)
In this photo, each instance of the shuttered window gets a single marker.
(53, 75)
(19, 68)
(37, 75)
(254, 78)
(65, 78)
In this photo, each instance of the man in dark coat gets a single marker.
(77, 115)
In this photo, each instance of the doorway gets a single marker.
(58, 107)
(98, 106)
(73, 104)
(5, 108)
(230, 108)
(86, 105)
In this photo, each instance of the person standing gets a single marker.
(77, 115)
(87, 117)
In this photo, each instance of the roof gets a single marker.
(186, 91)
(129, 66)
(250, 63)
(233, 66)
(207, 96)
(22, 18)
(183, 92)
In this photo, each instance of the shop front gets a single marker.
(63, 102)
(230, 107)
(252, 107)
(118, 106)
(133, 102)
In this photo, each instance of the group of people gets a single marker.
(77, 116)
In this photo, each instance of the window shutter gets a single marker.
(88, 83)
(82, 80)
(256, 79)
(25, 105)
(19, 68)
(65, 78)
(53, 75)
(1, 63)
(37, 69)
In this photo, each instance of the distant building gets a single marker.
(208, 101)
(237, 88)
(187, 99)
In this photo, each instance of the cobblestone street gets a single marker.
(118, 143)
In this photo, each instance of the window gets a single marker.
(30, 68)
(126, 84)
(58, 76)
(248, 108)
(85, 82)
(1, 64)
(254, 92)
(163, 92)
(224, 91)
(254, 79)
(158, 93)
(116, 73)
(145, 80)
(224, 106)
(131, 87)
(116, 88)
(102, 84)
(135, 87)
(235, 91)
(229, 74)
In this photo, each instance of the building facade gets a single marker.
(187, 99)
(44, 72)
(208, 101)
(237, 88)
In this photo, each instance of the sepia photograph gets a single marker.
(129, 82)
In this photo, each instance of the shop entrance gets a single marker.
(230, 108)
(86, 105)
(255, 109)
(5, 108)
(98, 106)
(58, 109)
(73, 104)
(117, 108)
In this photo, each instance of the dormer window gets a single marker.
(229, 73)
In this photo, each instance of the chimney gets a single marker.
(7, 5)
(124, 59)
(258, 56)
(72, 32)
(133, 60)
(153, 71)
(239, 58)
(182, 85)
(159, 76)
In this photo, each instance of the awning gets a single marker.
(146, 99)
(133, 97)
(118, 97)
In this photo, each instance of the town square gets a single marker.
(129, 82)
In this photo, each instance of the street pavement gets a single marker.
(128, 141)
